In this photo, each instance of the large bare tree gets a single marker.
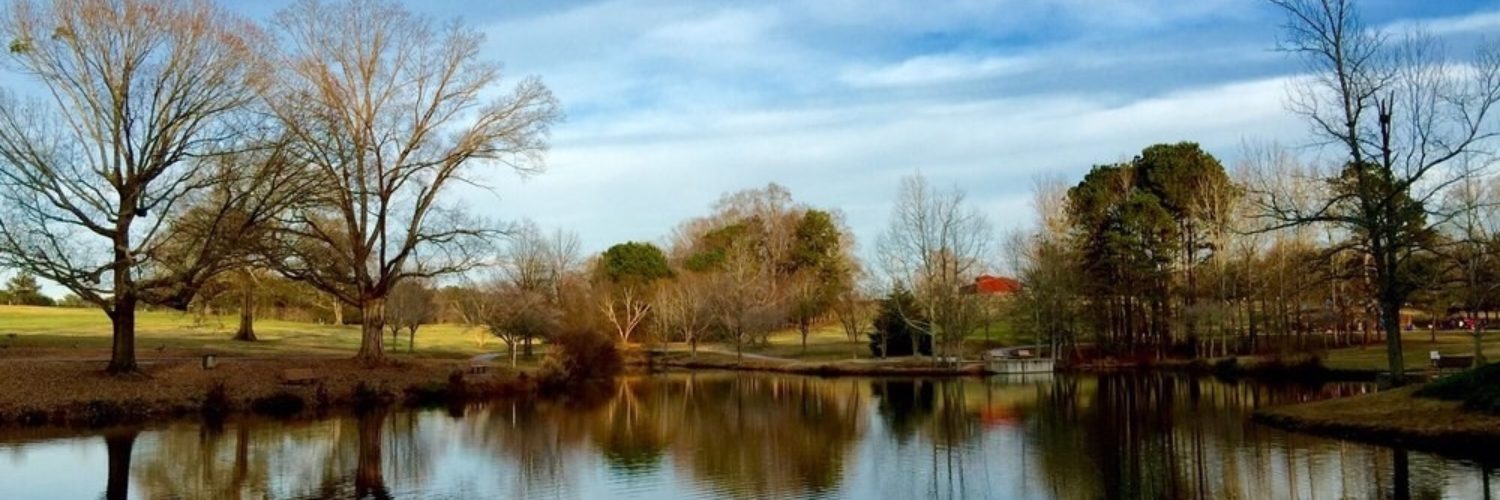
(538, 263)
(1403, 116)
(392, 110)
(935, 245)
(134, 96)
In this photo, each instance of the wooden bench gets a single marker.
(298, 376)
(1441, 362)
(478, 367)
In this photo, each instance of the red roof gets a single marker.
(996, 285)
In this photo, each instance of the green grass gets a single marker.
(56, 327)
(824, 343)
(1415, 347)
(828, 343)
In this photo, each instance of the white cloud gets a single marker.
(935, 69)
(1479, 22)
(638, 184)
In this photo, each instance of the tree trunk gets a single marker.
(338, 311)
(372, 327)
(247, 314)
(1390, 318)
(411, 339)
(526, 347)
(802, 327)
(247, 309)
(122, 354)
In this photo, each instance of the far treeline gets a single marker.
(181, 156)
(1170, 254)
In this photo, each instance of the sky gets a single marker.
(672, 103)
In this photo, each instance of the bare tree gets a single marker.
(936, 245)
(136, 94)
(855, 310)
(1473, 230)
(390, 110)
(682, 308)
(411, 305)
(537, 263)
(472, 304)
(516, 314)
(743, 300)
(1403, 115)
(625, 308)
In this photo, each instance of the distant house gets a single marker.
(998, 286)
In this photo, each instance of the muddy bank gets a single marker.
(70, 392)
(1394, 418)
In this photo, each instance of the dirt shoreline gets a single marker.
(1394, 418)
(74, 392)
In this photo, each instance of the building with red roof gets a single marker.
(998, 286)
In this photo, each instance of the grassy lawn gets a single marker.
(1415, 346)
(824, 343)
(828, 343)
(89, 329)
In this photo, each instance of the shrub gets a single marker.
(579, 356)
(280, 404)
(1478, 388)
(437, 393)
(896, 323)
(216, 401)
(366, 396)
(1227, 368)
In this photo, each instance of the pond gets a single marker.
(727, 435)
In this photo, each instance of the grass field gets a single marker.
(89, 329)
(1415, 348)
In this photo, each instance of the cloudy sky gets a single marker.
(672, 103)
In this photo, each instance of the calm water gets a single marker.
(761, 436)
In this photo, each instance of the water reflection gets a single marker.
(760, 436)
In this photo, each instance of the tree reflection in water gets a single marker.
(742, 435)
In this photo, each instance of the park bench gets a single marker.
(1441, 362)
(298, 376)
(477, 367)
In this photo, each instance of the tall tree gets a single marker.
(23, 289)
(391, 111)
(1403, 115)
(936, 244)
(412, 303)
(136, 93)
(820, 267)
(537, 263)
(628, 273)
(1193, 187)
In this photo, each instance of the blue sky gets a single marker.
(671, 103)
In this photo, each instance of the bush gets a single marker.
(280, 404)
(579, 356)
(216, 402)
(1478, 388)
(438, 393)
(896, 323)
(366, 396)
